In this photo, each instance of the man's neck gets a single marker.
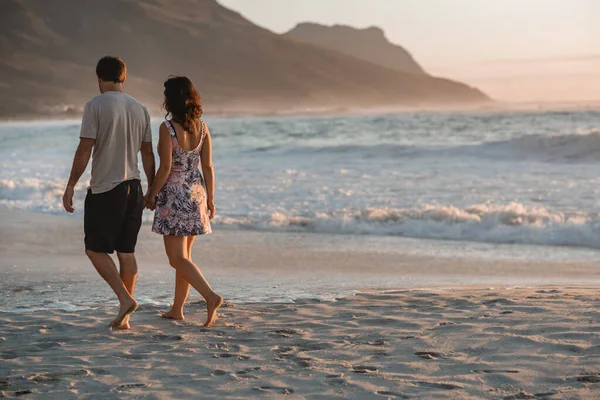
(111, 87)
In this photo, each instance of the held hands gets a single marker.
(68, 199)
(150, 202)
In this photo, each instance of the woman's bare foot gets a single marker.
(124, 326)
(124, 311)
(176, 315)
(212, 306)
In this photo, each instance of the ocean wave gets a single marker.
(512, 223)
(486, 222)
(578, 147)
(581, 146)
(37, 194)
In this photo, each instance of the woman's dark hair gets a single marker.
(182, 101)
(111, 69)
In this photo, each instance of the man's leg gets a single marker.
(128, 270)
(104, 214)
(108, 271)
(127, 239)
(128, 273)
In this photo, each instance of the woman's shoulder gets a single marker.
(203, 125)
(166, 126)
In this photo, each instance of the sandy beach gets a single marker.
(308, 316)
(434, 344)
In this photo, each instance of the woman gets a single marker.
(184, 205)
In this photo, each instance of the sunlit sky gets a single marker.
(517, 50)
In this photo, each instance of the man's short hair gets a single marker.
(111, 69)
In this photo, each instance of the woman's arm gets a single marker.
(165, 148)
(208, 173)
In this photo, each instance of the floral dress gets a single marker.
(181, 207)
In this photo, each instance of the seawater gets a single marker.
(498, 177)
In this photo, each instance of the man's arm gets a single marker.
(148, 162)
(80, 162)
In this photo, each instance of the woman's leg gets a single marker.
(177, 251)
(182, 288)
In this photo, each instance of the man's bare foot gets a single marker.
(177, 316)
(124, 311)
(212, 306)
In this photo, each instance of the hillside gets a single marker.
(48, 52)
(368, 44)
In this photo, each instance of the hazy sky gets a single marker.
(514, 49)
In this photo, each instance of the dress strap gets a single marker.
(171, 128)
(204, 130)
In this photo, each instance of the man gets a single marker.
(116, 127)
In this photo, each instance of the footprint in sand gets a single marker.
(546, 394)
(218, 372)
(275, 389)
(389, 394)
(589, 379)
(304, 362)
(378, 342)
(55, 377)
(132, 385)
(231, 355)
(364, 369)
(20, 393)
(381, 354)
(248, 370)
(336, 379)
(245, 375)
(430, 355)
(438, 385)
(495, 371)
(308, 346)
(132, 356)
(519, 396)
(285, 333)
(100, 371)
(161, 336)
(45, 345)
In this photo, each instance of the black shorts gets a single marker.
(113, 219)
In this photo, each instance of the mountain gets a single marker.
(368, 44)
(49, 49)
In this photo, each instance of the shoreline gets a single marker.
(43, 265)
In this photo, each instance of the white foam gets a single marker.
(510, 223)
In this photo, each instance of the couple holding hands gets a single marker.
(116, 127)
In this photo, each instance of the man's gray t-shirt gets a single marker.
(120, 124)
